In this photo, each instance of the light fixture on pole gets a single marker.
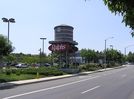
(125, 49)
(111, 46)
(43, 44)
(105, 57)
(11, 20)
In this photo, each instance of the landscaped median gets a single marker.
(16, 74)
(36, 79)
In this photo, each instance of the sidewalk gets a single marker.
(23, 82)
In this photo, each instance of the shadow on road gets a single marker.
(4, 86)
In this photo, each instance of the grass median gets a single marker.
(16, 74)
(13, 74)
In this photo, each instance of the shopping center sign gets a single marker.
(58, 47)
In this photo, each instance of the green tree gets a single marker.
(114, 56)
(5, 46)
(84, 54)
(125, 8)
(28, 58)
(130, 57)
(10, 58)
(90, 55)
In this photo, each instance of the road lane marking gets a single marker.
(113, 72)
(50, 88)
(90, 89)
(84, 76)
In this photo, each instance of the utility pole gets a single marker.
(105, 57)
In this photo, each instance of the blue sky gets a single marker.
(92, 22)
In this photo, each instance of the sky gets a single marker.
(92, 22)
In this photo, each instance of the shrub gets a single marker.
(8, 72)
(11, 74)
(46, 71)
(90, 67)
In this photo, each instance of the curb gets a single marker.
(12, 84)
(9, 85)
(100, 70)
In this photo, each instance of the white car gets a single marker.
(21, 65)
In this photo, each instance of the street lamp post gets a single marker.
(43, 44)
(125, 49)
(105, 57)
(11, 20)
(40, 56)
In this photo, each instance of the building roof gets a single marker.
(63, 25)
(71, 42)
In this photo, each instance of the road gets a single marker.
(113, 84)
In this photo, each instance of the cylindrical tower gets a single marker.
(64, 45)
(63, 39)
(64, 33)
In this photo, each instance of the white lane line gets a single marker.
(114, 72)
(90, 89)
(84, 76)
(50, 88)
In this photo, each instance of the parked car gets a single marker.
(47, 64)
(13, 64)
(21, 65)
(35, 65)
(3, 64)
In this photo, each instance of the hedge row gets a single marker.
(46, 71)
(14, 77)
(94, 66)
(91, 67)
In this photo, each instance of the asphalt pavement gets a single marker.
(111, 84)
